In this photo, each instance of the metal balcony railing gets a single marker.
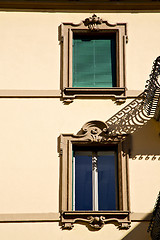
(138, 112)
(154, 227)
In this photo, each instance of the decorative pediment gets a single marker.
(97, 132)
(93, 22)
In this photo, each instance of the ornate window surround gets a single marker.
(95, 24)
(93, 133)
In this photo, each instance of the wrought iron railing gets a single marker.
(138, 112)
(152, 92)
(154, 227)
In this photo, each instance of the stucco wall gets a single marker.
(29, 161)
(51, 231)
(30, 57)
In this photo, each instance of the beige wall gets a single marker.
(51, 231)
(29, 47)
(29, 162)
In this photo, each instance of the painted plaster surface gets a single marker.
(50, 231)
(30, 51)
(29, 128)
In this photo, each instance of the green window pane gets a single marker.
(94, 62)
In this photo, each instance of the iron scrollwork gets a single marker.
(138, 112)
(152, 91)
(154, 226)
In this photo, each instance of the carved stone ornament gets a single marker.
(98, 132)
(93, 22)
(95, 131)
(95, 220)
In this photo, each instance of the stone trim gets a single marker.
(9, 93)
(65, 5)
(55, 217)
(29, 217)
(93, 133)
(98, 26)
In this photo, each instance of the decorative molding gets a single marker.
(14, 93)
(115, 91)
(140, 217)
(30, 217)
(98, 132)
(9, 93)
(66, 34)
(96, 222)
(90, 5)
(96, 219)
(95, 131)
(93, 22)
(55, 217)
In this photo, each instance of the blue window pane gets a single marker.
(83, 182)
(107, 181)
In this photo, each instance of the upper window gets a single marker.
(93, 58)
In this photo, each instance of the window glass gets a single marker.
(94, 61)
(82, 172)
(95, 180)
(107, 180)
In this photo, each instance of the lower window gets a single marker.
(95, 179)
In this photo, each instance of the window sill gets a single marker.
(96, 219)
(74, 92)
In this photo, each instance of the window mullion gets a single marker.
(94, 61)
(94, 182)
(73, 183)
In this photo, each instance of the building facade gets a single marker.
(80, 139)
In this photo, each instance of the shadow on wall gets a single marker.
(139, 232)
(146, 141)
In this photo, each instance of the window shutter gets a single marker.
(94, 62)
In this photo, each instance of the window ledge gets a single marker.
(79, 92)
(95, 219)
